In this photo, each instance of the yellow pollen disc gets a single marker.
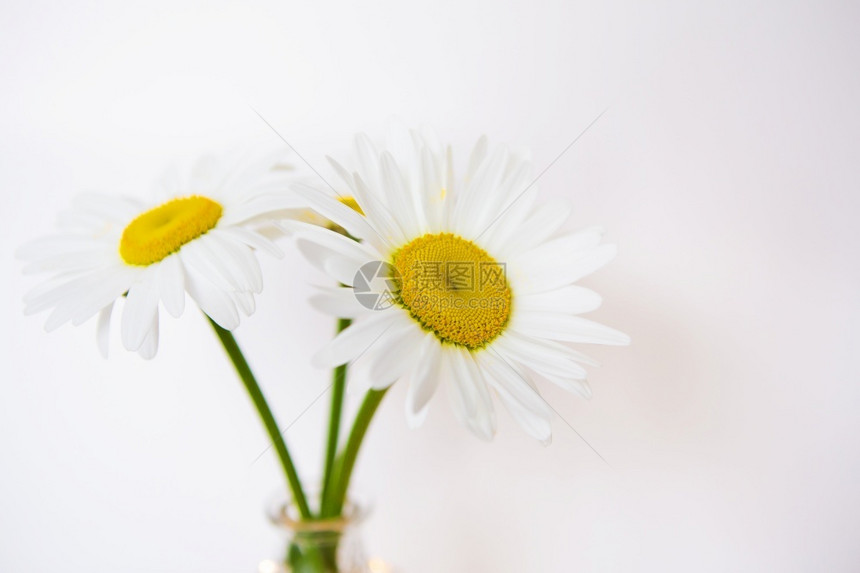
(153, 235)
(453, 288)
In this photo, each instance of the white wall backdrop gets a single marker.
(725, 167)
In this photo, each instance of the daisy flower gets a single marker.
(481, 294)
(198, 237)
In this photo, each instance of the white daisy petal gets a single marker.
(570, 299)
(577, 355)
(581, 240)
(423, 381)
(212, 299)
(338, 302)
(401, 145)
(244, 302)
(141, 306)
(58, 246)
(101, 293)
(398, 341)
(171, 285)
(229, 264)
(518, 182)
(368, 161)
(80, 299)
(332, 262)
(397, 195)
(149, 347)
(253, 240)
(414, 420)
(523, 402)
(260, 206)
(68, 297)
(551, 364)
(239, 257)
(541, 348)
(543, 223)
(434, 191)
(507, 226)
(428, 137)
(574, 385)
(481, 201)
(567, 328)
(354, 341)
(544, 269)
(205, 263)
(378, 215)
(345, 176)
(108, 208)
(544, 357)
(332, 252)
(463, 376)
(74, 292)
(103, 329)
(472, 400)
(49, 292)
(479, 152)
(336, 211)
(71, 262)
(515, 194)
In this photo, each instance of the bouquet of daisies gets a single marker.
(439, 276)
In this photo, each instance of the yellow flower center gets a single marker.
(453, 288)
(153, 235)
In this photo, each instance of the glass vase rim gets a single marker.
(282, 512)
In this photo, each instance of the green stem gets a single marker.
(346, 461)
(250, 382)
(338, 387)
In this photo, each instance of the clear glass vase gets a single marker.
(321, 545)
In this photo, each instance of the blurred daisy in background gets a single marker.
(199, 236)
(481, 292)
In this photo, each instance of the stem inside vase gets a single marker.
(331, 545)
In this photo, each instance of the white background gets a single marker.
(726, 168)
